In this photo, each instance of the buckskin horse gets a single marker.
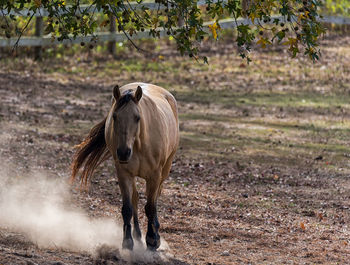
(141, 134)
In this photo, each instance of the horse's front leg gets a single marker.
(125, 184)
(152, 236)
(135, 199)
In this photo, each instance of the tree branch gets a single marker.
(22, 31)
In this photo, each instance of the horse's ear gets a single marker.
(138, 93)
(116, 92)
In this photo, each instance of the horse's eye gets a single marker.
(137, 118)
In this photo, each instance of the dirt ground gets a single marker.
(262, 172)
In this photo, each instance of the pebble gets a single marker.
(225, 253)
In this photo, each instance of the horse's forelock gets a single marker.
(127, 96)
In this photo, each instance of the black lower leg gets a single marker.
(135, 199)
(152, 236)
(127, 214)
(137, 231)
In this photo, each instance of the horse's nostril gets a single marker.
(128, 152)
(119, 152)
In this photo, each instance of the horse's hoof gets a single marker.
(137, 234)
(152, 243)
(128, 243)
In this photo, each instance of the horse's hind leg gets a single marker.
(152, 236)
(135, 199)
(166, 171)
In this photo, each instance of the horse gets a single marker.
(141, 134)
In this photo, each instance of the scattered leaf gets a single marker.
(320, 216)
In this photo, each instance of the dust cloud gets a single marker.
(40, 207)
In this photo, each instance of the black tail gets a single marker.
(91, 153)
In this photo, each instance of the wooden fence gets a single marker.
(40, 40)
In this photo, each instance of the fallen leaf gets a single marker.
(320, 216)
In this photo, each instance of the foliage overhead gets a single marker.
(293, 23)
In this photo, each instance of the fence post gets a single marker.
(38, 33)
(112, 29)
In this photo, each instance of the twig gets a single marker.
(126, 35)
(3, 15)
(135, 12)
(22, 31)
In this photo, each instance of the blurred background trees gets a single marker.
(295, 24)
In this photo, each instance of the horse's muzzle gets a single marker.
(124, 155)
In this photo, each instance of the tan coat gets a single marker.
(158, 136)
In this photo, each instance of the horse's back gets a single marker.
(149, 90)
(159, 95)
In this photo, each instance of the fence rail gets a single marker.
(41, 40)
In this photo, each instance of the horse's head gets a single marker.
(126, 121)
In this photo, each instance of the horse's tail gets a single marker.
(91, 153)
